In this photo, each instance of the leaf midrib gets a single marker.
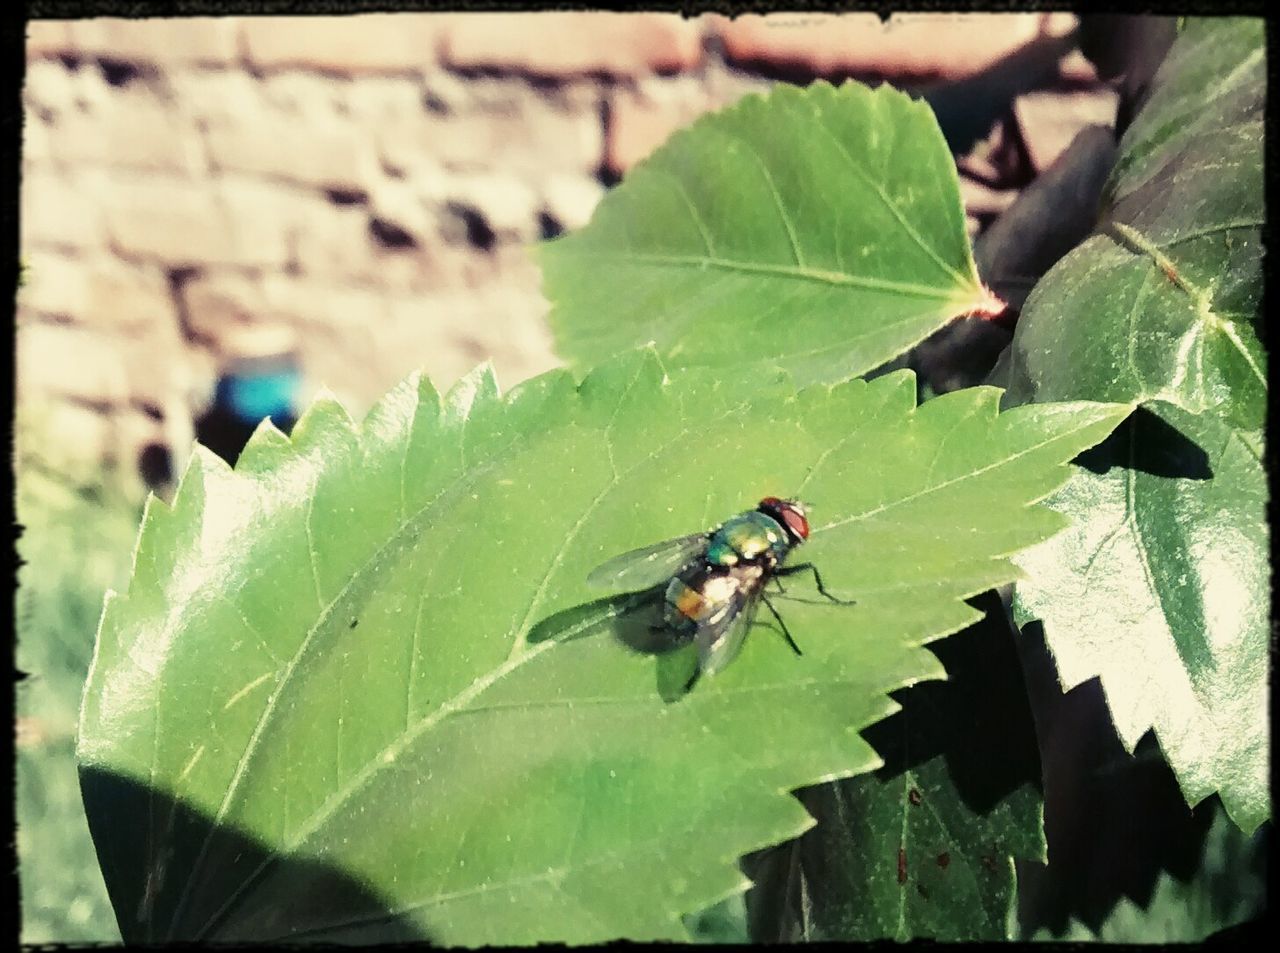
(1201, 299)
(883, 507)
(775, 270)
(857, 168)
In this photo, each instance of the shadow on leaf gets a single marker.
(636, 620)
(1113, 821)
(290, 898)
(978, 720)
(1147, 442)
(850, 877)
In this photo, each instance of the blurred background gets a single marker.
(221, 216)
(360, 192)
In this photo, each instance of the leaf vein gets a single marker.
(311, 549)
(816, 275)
(777, 201)
(694, 214)
(858, 517)
(893, 208)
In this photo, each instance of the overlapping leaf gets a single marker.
(1162, 303)
(924, 847)
(1162, 586)
(819, 230)
(319, 711)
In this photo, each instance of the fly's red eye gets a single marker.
(796, 521)
(789, 513)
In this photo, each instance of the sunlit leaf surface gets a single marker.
(819, 230)
(1162, 587)
(354, 690)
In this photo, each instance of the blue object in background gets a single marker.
(261, 378)
(264, 392)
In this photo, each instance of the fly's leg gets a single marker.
(817, 579)
(786, 633)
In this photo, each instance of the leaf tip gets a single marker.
(899, 385)
(327, 402)
(989, 307)
(324, 417)
(478, 386)
(202, 461)
(264, 444)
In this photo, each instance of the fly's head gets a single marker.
(790, 515)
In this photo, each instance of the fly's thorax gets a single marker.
(748, 538)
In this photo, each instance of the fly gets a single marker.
(715, 580)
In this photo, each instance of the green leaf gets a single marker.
(1207, 84)
(356, 688)
(1162, 586)
(819, 230)
(1162, 591)
(925, 846)
(1114, 820)
(1162, 303)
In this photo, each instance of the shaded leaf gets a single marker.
(325, 661)
(725, 922)
(1228, 889)
(1163, 302)
(819, 230)
(1162, 586)
(1209, 83)
(1048, 219)
(1114, 821)
(923, 847)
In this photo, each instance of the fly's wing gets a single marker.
(720, 642)
(648, 567)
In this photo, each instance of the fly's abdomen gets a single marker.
(699, 599)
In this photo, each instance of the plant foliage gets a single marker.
(382, 629)
(1162, 586)
(358, 690)
(819, 230)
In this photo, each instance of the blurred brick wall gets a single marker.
(372, 182)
